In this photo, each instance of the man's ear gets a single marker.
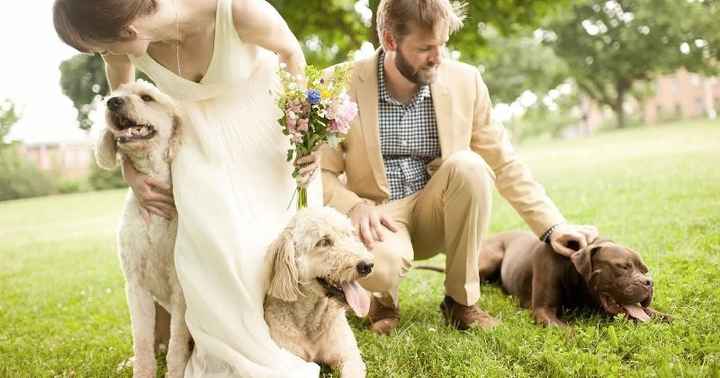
(582, 260)
(389, 41)
(106, 150)
(284, 279)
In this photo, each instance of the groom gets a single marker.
(420, 163)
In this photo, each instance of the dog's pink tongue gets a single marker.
(357, 298)
(637, 312)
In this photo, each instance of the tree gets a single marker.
(609, 46)
(519, 63)
(8, 117)
(330, 31)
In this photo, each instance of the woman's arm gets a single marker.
(154, 197)
(259, 23)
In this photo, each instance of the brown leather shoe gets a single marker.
(466, 317)
(383, 319)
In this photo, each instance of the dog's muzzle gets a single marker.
(350, 293)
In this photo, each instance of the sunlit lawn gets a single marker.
(63, 310)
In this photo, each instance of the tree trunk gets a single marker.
(619, 107)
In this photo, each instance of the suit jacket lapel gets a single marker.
(367, 97)
(443, 112)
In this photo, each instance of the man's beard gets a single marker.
(416, 76)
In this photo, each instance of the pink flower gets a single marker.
(302, 124)
(344, 113)
(291, 123)
(295, 137)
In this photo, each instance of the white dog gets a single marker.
(316, 263)
(143, 125)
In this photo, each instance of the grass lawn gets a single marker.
(657, 190)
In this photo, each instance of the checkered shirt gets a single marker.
(408, 138)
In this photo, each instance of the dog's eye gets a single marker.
(147, 98)
(324, 242)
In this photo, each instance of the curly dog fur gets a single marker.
(316, 263)
(143, 125)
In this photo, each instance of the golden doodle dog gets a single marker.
(143, 125)
(316, 263)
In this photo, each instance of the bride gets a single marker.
(231, 184)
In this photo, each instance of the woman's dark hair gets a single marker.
(81, 22)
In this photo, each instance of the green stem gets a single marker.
(302, 198)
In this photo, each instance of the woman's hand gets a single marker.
(154, 197)
(307, 166)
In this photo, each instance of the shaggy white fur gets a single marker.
(143, 124)
(316, 263)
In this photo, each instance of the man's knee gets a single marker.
(469, 167)
(393, 259)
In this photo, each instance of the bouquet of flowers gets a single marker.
(316, 113)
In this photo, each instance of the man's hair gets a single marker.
(81, 22)
(397, 16)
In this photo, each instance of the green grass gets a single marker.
(657, 190)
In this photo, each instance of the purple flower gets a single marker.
(313, 96)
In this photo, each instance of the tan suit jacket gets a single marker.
(462, 108)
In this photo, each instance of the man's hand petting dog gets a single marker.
(566, 239)
(155, 197)
(370, 223)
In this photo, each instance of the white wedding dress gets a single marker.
(232, 189)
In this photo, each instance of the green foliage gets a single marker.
(65, 314)
(518, 64)
(67, 186)
(82, 79)
(609, 46)
(102, 179)
(20, 178)
(8, 117)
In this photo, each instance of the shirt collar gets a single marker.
(423, 92)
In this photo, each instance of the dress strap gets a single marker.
(236, 59)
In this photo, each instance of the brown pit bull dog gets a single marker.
(604, 276)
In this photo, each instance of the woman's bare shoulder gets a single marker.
(252, 15)
(203, 8)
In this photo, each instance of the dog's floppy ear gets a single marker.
(284, 278)
(582, 260)
(106, 150)
(174, 142)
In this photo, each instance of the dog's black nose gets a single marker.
(115, 103)
(364, 268)
(648, 282)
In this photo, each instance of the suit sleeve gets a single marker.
(512, 178)
(335, 193)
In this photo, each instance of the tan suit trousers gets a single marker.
(451, 214)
